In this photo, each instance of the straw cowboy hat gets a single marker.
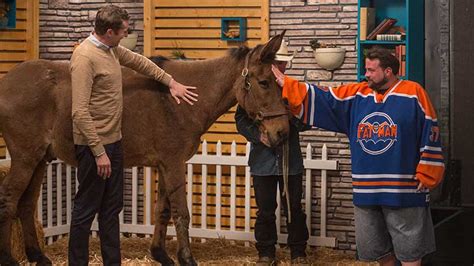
(282, 54)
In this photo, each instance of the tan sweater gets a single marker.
(97, 100)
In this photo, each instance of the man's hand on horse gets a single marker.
(179, 90)
(280, 77)
(104, 168)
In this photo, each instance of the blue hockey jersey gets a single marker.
(394, 137)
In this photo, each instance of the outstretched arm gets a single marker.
(318, 106)
(145, 66)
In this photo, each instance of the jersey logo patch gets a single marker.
(376, 133)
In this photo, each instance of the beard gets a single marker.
(377, 86)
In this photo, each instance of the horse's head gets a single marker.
(259, 94)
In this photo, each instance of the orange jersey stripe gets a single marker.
(349, 90)
(430, 155)
(414, 89)
(385, 183)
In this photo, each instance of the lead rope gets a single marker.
(285, 178)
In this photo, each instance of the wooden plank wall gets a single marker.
(193, 27)
(19, 44)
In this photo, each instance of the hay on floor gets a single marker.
(135, 252)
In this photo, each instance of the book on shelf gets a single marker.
(366, 21)
(383, 27)
(390, 37)
(400, 53)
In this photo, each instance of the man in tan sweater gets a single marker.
(97, 115)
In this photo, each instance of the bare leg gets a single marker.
(26, 212)
(413, 263)
(162, 218)
(388, 261)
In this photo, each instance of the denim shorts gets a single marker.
(407, 233)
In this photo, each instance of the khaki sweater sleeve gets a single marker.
(142, 65)
(82, 77)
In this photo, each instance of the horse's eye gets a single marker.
(263, 83)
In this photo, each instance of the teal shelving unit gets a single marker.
(410, 15)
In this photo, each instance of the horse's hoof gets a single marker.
(8, 260)
(186, 258)
(161, 256)
(37, 256)
(44, 261)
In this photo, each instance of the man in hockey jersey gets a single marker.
(395, 151)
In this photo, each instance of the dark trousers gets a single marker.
(97, 195)
(265, 188)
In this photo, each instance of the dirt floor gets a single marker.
(213, 252)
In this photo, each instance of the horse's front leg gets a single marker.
(162, 218)
(176, 188)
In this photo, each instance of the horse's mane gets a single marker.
(236, 53)
(159, 60)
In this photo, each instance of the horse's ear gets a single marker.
(270, 49)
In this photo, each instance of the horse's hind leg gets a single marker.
(162, 218)
(26, 212)
(11, 190)
(176, 189)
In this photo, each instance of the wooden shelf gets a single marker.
(382, 42)
(410, 15)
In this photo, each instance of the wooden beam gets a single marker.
(209, 3)
(207, 12)
(12, 46)
(148, 27)
(265, 17)
(5, 67)
(9, 56)
(181, 23)
(200, 33)
(9, 35)
(32, 29)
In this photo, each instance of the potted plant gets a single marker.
(328, 56)
(178, 54)
(130, 41)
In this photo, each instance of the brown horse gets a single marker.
(35, 118)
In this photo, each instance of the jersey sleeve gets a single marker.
(430, 169)
(323, 107)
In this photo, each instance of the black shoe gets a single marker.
(265, 261)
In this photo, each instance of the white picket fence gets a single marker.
(54, 229)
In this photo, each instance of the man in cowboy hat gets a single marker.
(266, 168)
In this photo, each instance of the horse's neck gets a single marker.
(216, 92)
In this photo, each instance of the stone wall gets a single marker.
(63, 23)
